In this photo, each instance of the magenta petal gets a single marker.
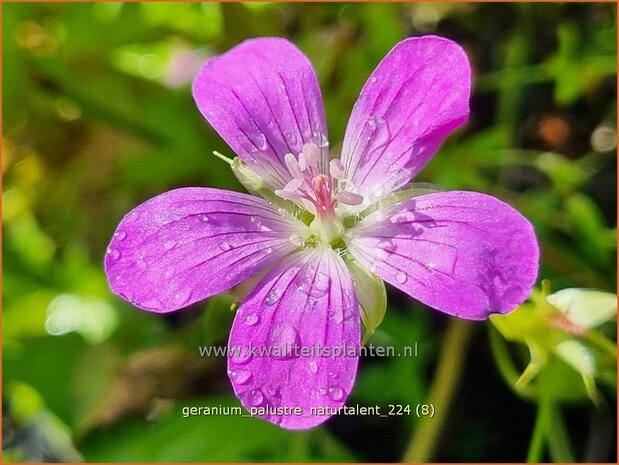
(463, 253)
(417, 95)
(188, 244)
(308, 301)
(263, 99)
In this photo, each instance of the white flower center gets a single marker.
(314, 189)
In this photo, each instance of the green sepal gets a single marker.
(256, 185)
(371, 293)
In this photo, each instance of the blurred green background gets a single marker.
(98, 116)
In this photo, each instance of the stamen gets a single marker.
(293, 185)
(349, 198)
(312, 155)
(302, 162)
(336, 169)
(312, 186)
(288, 195)
(293, 166)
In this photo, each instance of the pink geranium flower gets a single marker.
(322, 223)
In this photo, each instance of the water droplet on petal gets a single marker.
(181, 297)
(322, 391)
(337, 315)
(313, 367)
(114, 254)
(336, 393)
(169, 245)
(401, 277)
(374, 122)
(204, 218)
(512, 294)
(255, 397)
(151, 303)
(295, 239)
(320, 139)
(271, 298)
(261, 141)
(348, 311)
(256, 221)
(225, 246)
(291, 138)
(312, 283)
(284, 340)
(240, 356)
(241, 376)
(252, 319)
(120, 235)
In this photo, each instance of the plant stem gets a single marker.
(558, 439)
(542, 422)
(454, 349)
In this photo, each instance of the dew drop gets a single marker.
(113, 254)
(261, 142)
(151, 303)
(271, 298)
(322, 391)
(169, 245)
(313, 367)
(240, 356)
(204, 218)
(252, 319)
(140, 262)
(336, 393)
(512, 294)
(241, 376)
(256, 221)
(284, 340)
(374, 122)
(348, 311)
(291, 137)
(401, 277)
(256, 397)
(225, 246)
(320, 139)
(314, 284)
(295, 239)
(373, 79)
(337, 315)
(182, 296)
(120, 235)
